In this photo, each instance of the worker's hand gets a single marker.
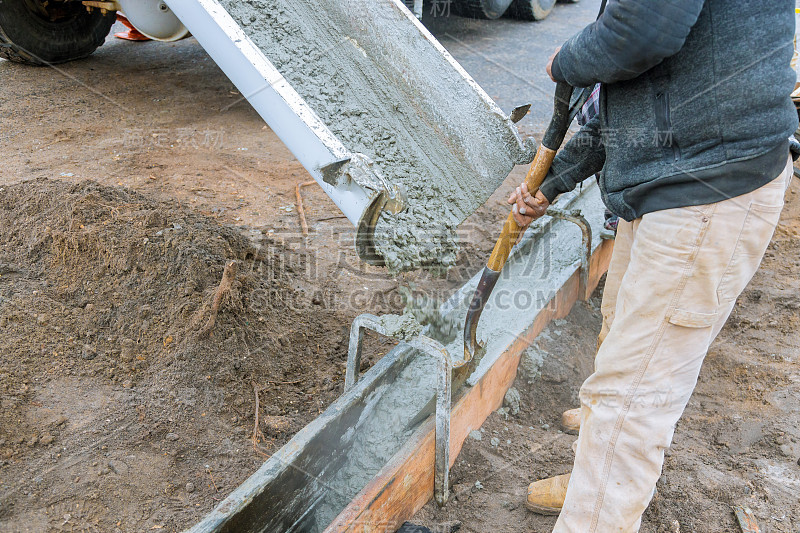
(527, 207)
(550, 63)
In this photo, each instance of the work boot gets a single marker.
(546, 496)
(571, 420)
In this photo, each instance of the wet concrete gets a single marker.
(388, 93)
(546, 258)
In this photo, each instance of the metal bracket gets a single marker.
(575, 217)
(446, 364)
(519, 112)
(392, 200)
(104, 7)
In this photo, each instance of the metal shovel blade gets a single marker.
(482, 292)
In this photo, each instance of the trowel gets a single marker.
(567, 104)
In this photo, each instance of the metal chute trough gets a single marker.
(369, 461)
(409, 86)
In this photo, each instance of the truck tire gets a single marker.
(63, 31)
(532, 9)
(482, 9)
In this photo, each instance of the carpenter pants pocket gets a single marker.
(692, 319)
(756, 231)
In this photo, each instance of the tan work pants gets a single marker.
(673, 280)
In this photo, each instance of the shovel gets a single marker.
(565, 108)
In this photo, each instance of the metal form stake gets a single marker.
(445, 365)
(575, 217)
(361, 322)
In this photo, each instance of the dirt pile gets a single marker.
(134, 335)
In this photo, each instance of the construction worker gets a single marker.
(695, 112)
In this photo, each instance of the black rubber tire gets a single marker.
(532, 9)
(26, 36)
(482, 9)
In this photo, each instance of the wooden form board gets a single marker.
(405, 484)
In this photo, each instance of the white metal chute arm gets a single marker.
(274, 99)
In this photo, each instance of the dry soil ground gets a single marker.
(144, 173)
(121, 411)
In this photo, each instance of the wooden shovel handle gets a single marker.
(511, 230)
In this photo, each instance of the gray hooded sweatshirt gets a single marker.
(695, 106)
